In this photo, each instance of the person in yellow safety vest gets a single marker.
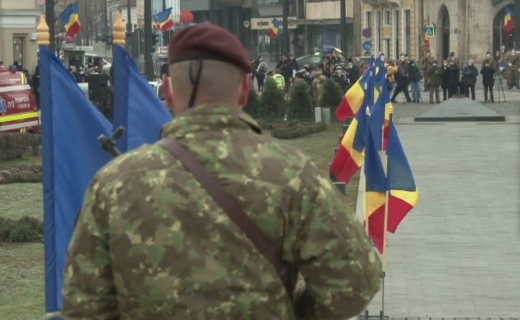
(280, 81)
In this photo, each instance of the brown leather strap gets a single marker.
(231, 208)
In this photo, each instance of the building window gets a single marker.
(387, 47)
(18, 50)
(378, 32)
(406, 32)
(368, 19)
(396, 34)
(386, 21)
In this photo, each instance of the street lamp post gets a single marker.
(128, 17)
(285, 24)
(49, 18)
(343, 25)
(516, 23)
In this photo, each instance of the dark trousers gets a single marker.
(468, 88)
(398, 90)
(453, 88)
(260, 78)
(436, 90)
(444, 93)
(488, 89)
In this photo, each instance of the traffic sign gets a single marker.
(367, 33)
(430, 31)
(367, 45)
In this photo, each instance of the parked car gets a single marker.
(106, 64)
(310, 59)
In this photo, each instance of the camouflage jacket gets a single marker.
(150, 243)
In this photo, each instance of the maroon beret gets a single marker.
(208, 42)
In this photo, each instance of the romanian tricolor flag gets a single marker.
(400, 184)
(353, 99)
(163, 21)
(275, 26)
(508, 20)
(70, 20)
(350, 156)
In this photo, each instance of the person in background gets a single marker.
(434, 81)
(294, 64)
(445, 80)
(164, 68)
(316, 75)
(414, 76)
(28, 77)
(280, 80)
(261, 70)
(340, 79)
(469, 78)
(353, 72)
(299, 77)
(488, 80)
(391, 70)
(327, 67)
(80, 75)
(454, 75)
(286, 69)
(426, 63)
(489, 60)
(454, 57)
(360, 65)
(402, 83)
(513, 62)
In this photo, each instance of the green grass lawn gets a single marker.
(21, 265)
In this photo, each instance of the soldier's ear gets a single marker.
(167, 91)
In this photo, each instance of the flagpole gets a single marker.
(385, 224)
(365, 197)
(44, 40)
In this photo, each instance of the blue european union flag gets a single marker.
(71, 126)
(136, 107)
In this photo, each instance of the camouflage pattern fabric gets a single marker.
(150, 243)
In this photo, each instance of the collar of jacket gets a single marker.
(209, 117)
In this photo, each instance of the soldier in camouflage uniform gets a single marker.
(151, 243)
(513, 64)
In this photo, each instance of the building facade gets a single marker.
(392, 27)
(468, 28)
(17, 32)
(311, 23)
(234, 15)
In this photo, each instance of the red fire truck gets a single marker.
(18, 110)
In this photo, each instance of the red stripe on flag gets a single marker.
(73, 30)
(344, 110)
(376, 225)
(398, 209)
(343, 166)
(272, 33)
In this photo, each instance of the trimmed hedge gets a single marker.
(27, 229)
(21, 174)
(331, 95)
(272, 102)
(300, 105)
(296, 129)
(16, 145)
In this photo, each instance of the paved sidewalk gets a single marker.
(458, 253)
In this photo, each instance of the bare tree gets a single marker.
(90, 15)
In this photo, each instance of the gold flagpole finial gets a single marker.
(42, 31)
(119, 31)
